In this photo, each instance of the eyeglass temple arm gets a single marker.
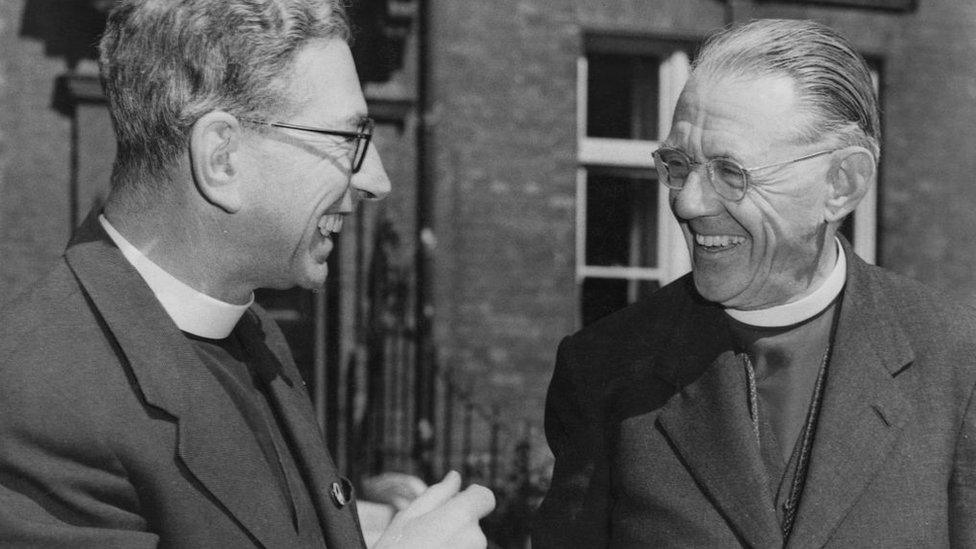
(785, 162)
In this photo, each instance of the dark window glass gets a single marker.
(622, 96)
(621, 218)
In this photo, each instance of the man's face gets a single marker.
(303, 186)
(768, 248)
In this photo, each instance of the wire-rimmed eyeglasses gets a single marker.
(362, 135)
(729, 179)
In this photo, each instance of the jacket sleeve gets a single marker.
(575, 512)
(60, 484)
(27, 522)
(962, 487)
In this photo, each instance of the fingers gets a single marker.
(471, 538)
(462, 512)
(441, 517)
(398, 489)
(435, 496)
(478, 500)
(400, 503)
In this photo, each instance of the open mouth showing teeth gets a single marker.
(718, 242)
(330, 224)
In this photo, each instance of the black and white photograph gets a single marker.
(497, 274)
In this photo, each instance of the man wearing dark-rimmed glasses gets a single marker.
(361, 137)
(784, 393)
(145, 400)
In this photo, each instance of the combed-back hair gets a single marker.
(833, 82)
(165, 63)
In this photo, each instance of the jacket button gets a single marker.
(342, 493)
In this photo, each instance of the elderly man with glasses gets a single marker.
(785, 393)
(145, 400)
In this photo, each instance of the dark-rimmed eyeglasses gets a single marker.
(729, 179)
(362, 135)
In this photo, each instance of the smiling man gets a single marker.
(785, 393)
(144, 398)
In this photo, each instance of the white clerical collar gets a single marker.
(194, 312)
(795, 312)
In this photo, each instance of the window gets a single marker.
(627, 242)
(862, 227)
(891, 5)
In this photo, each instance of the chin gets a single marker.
(312, 283)
(716, 289)
(314, 278)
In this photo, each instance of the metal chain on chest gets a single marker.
(803, 460)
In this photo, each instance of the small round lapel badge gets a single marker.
(342, 492)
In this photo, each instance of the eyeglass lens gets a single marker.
(727, 178)
(362, 144)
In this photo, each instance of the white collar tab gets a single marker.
(805, 308)
(193, 311)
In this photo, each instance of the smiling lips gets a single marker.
(329, 224)
(718, 242)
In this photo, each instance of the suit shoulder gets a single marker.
(49, 319)
(925, 311)
(644, 320)
(611, 345)
(60, 373)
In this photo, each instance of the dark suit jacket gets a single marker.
(114, 434)
(649, 423)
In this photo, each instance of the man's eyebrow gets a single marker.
(675, 146)
(348, 123)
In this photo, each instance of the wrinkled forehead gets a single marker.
(719, 111)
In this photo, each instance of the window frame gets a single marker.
(594, 152)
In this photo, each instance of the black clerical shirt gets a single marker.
(238, 372)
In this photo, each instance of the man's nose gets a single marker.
(371, 181)
(696, 198)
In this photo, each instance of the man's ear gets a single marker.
(215, 141)
(850, 178)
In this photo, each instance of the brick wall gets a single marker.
(34, 156)
(503, 152)
(930, 204)
(505, 145)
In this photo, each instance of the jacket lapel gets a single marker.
(863, 408)
(340, 522)
(214, 442)
(709, 424)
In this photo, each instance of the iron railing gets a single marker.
(424, 418)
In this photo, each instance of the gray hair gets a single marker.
(832, 80)
(166, 63)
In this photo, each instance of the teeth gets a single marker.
(331, 223)
(718, 240)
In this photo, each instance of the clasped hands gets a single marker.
(442, 516)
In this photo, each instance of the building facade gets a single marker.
(518, 136)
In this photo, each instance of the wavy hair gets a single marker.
(165, 63)
(832, 80)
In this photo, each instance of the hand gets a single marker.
(396, 489)
(442, 517)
